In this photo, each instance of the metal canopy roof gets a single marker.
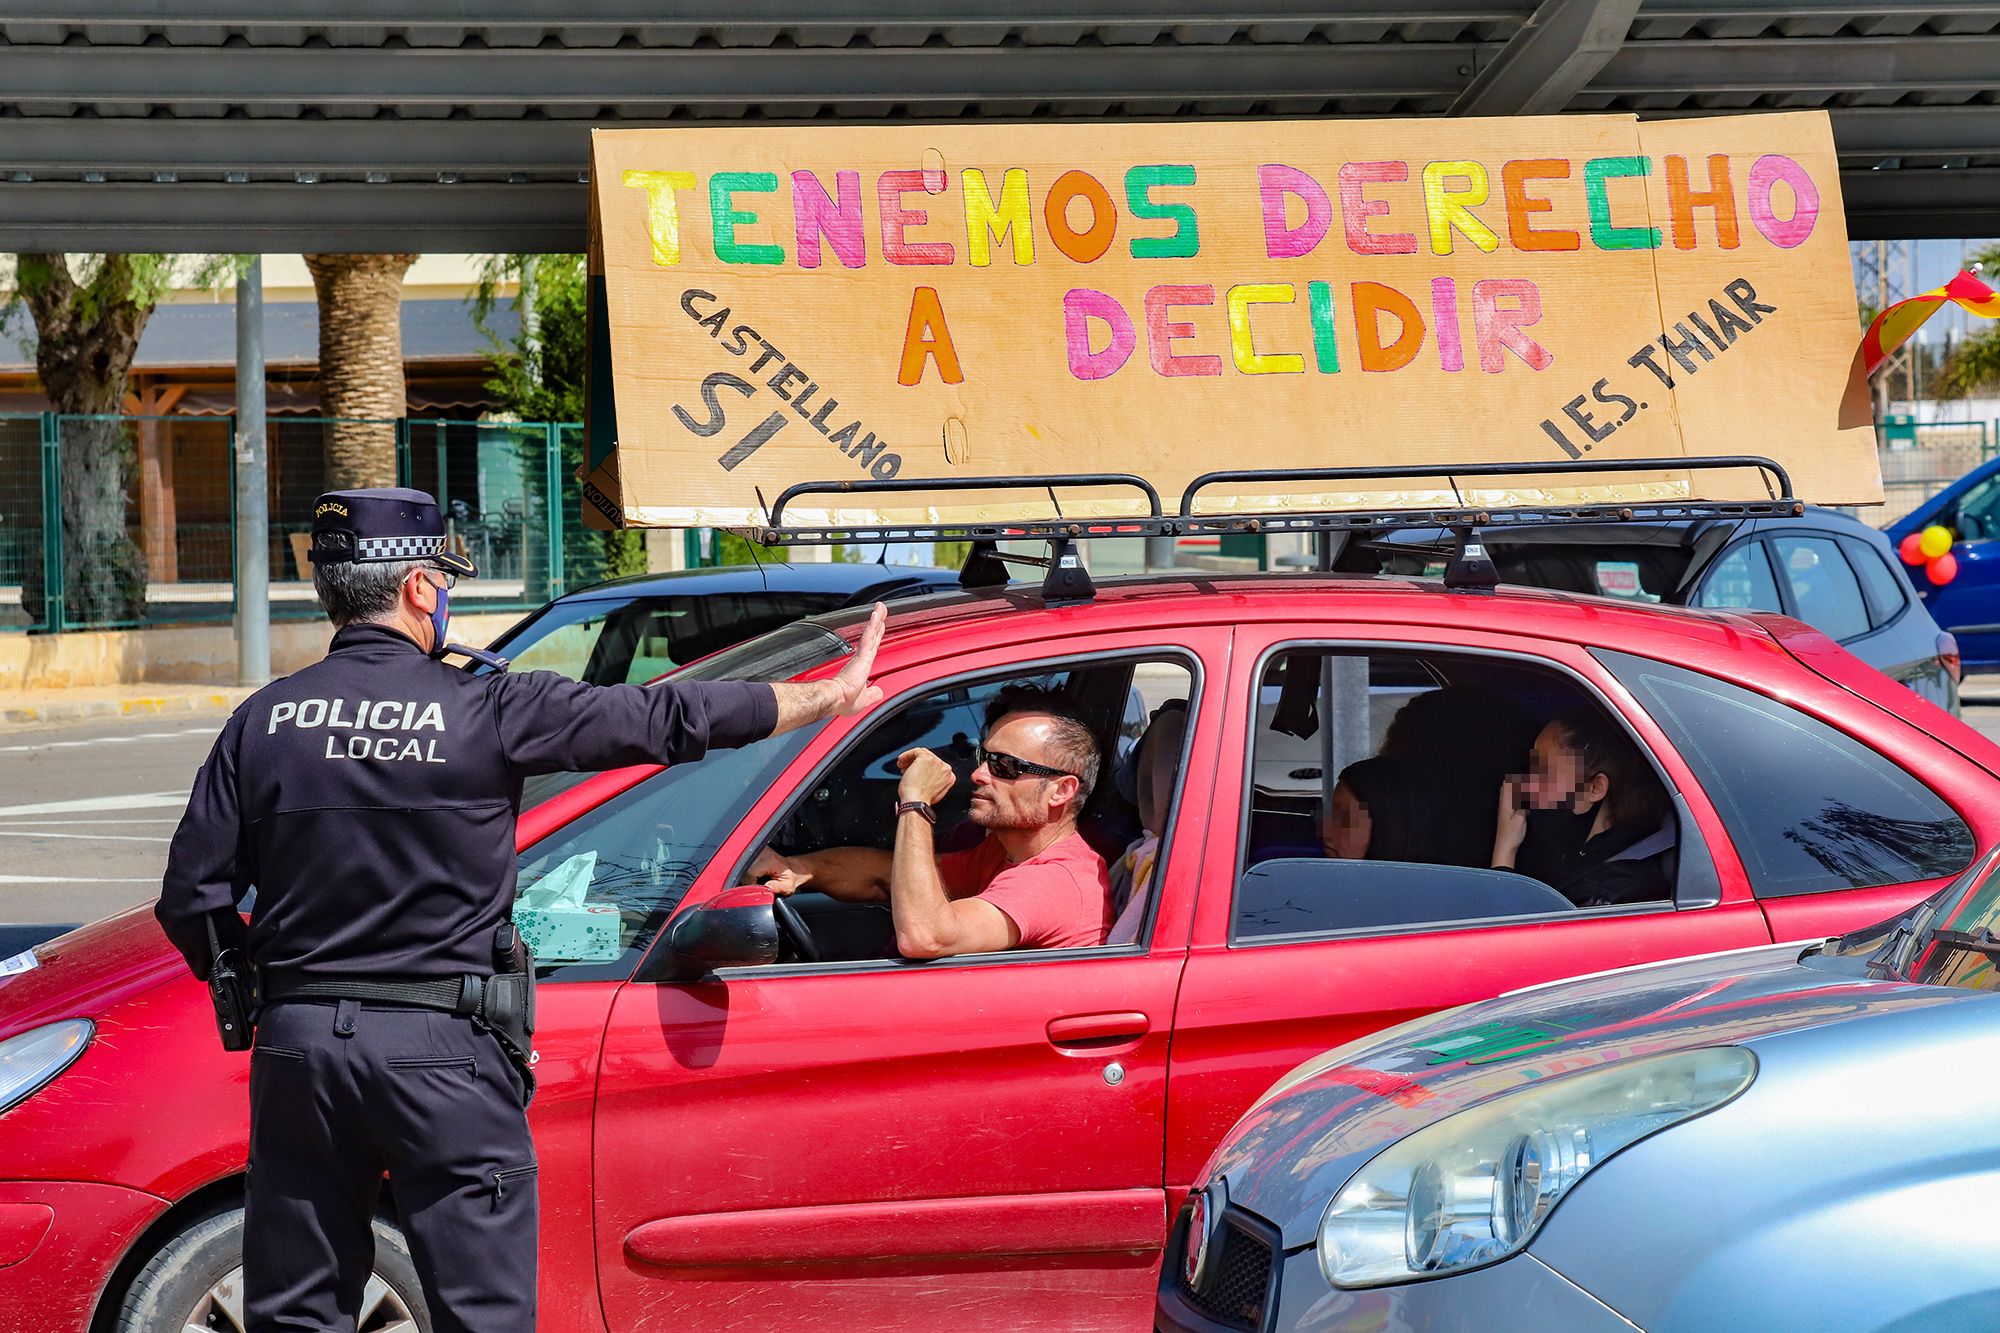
(219, 125)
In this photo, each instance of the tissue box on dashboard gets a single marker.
(586, 933)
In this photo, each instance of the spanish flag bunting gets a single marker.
(1895, 326)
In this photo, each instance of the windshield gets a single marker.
(591, 896)
(602, 641)
(779, 655)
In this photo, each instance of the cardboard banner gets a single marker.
(841, 303)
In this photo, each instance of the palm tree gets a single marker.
(88, 319)
(361, 364)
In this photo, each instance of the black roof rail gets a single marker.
(1067, 581)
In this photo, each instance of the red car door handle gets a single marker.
(1094, 1030)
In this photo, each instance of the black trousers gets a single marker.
(341, 1093)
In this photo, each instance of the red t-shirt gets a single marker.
(1059, 899)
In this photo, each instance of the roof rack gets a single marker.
(1067, 580)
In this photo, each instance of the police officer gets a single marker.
(371, 799)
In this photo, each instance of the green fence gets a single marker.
(146, 512)
(1919, 459)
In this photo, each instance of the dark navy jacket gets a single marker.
(371, 800)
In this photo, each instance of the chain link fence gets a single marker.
(1921, 460)
(146, 512)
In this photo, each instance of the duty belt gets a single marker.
(463, 995)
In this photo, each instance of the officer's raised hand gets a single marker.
(847, 694)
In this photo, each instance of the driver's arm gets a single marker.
(851, 874)
(930, 923)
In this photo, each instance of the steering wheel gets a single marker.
(792, 929)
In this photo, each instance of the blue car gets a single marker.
(1824, 567)
(1968, 606)
(631, 630)
(1774, 1138)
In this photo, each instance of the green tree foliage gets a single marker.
(538, 375)
(1974, 366)
(89, 312)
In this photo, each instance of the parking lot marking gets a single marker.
(144, 801)
(101, 740)
(84, 837)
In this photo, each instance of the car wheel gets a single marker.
(195, 1283)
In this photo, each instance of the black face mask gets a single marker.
(1560, 828)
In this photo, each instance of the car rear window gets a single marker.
(1809, 808)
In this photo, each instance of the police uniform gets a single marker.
(370, 799)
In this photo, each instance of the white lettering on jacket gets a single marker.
(369, 715)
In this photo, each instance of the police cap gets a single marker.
(381, 524)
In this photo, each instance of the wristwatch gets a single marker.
(920, 807)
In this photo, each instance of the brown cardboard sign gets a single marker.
(841, 303)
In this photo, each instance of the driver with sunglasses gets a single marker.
(1031, 882)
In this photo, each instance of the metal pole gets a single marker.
(553, 510)
(253, 505)
(53, 595)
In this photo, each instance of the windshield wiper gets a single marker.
(1981, 941)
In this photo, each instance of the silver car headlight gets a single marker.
(1475, 1187)
(28, 1060)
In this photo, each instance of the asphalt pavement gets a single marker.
(88, 809)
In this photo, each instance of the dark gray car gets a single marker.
(1830, 570)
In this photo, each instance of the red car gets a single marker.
(733, 1136)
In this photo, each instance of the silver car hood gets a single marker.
(1298, 1145)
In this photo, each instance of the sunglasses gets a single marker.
(1009, 767)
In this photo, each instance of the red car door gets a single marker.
(962, 1144)
(1255, 1003)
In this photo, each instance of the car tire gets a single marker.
(196, 1281)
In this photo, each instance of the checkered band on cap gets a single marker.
(397, 548)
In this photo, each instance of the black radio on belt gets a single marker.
(232, 989)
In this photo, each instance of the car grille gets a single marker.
(1237, 1284)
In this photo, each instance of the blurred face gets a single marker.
(1347, 826)
(1555, 778)
(1032, 800)
(1159, 758)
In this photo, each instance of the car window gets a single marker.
(1741, 581)
(1888, 591)
(851, 801)
(1976, 516)
(590, 897)
(1399, 758)
(1823, 585)
(558, 638)
(634, 642)
(1809, 808)
(1640, 573)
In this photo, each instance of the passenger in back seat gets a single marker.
(1159, 764)
(1586, 765)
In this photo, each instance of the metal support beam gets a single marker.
(253, 514)
(1549, 61)
(627, 82)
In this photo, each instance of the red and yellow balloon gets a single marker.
(1931, 548)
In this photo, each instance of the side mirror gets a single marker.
(736, 928)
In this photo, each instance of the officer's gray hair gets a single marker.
(354, 592)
